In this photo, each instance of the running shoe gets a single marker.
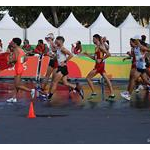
(92, 96)
(11, 100)
(126, 96)
(32, 93)
(42, 97)
(111, 97)
(125, 92)
(140, 87)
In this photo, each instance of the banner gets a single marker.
(44, 66)
(30, 68)
(78, 67)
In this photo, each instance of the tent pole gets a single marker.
(90, 36)
(58, 32)
(120, 42)
(25, 33)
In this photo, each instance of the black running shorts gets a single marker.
(141, 70)
(63, 70)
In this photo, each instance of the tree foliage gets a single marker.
(25, 15)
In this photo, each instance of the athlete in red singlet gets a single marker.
(100, 55)
(19, 60)
(99, 66)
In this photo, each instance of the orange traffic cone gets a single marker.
(31, 111)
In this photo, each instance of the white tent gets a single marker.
(148, 27)
(8, 30)
(73, 31)
(128, 29)
(104, 28)
(39, 29)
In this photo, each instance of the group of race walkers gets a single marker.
(57, 67)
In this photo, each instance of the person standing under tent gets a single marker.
(76, 48)
(41, 50)
(18, 61)
(100, 55)
(63, 56)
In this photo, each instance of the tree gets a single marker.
(56, 15)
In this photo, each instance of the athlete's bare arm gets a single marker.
(130, 53)
(88, 55)
(129, 57)
(14, 60)
(53, 46)
(107, 53)
(143, 48)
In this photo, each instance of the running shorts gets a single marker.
(63, 70)
(100, 68)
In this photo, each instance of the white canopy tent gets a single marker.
(128, 29)
(148, 27)
(8, 30)
(39, 29)
(73, 31)
(104, 28)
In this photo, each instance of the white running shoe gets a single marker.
(126, 96)
(32, 93)
(11, 100)
(140, 87)
(125, 92)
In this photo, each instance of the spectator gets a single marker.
(143, 38)
(76, 48)
(27, 48)
(10, 47)
(143, 41)
(41, 48)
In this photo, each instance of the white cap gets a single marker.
(50, 35)
(137, 37)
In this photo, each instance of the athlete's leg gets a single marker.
(130, 77)
(53, 76)
(89, 77)
(148, 72)
(65, 82)
(48, 74)
(145, 78)
(133, 81)
(18, 84)
(57, 78)
(54, 73)
(108, 83)
(77, 87)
